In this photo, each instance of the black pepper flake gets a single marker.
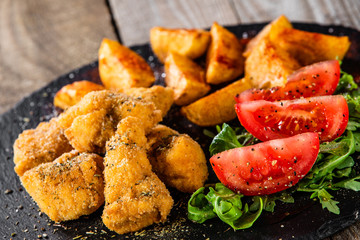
(251, 170)
(247, 183)
(252, 149)
(8, 191)
(294, 173)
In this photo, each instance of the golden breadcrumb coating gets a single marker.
(69, 187)
(91, 122)
(177, 159)
(134, 196)
(40, 145)
(162, 97)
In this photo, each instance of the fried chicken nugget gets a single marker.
(162, 97)
(134, 196)
(91, 122)
(40, 145)
(69, 187)
(177, 159)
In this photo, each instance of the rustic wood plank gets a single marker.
(135, 22)
(319, 11)
(39, 40)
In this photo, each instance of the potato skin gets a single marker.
(72, 93)
(186, 78)
(309, 47)
(121, 68)
(191, 43)
(177, 159)
(269, 65)
(224, 60)
(275, 26)
(217, 107)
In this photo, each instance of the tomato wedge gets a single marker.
(326, 115)
(267, 167)
(317, 79)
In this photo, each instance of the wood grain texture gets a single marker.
(344, 12)
(135, 22)
(40, 40)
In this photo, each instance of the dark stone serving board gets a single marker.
(20, 217)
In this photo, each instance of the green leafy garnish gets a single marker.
(225, 204)
(228, 138)
(224, 140)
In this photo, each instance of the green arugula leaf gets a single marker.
(199, 209)
(225, 204)
(352, 184)
(326, 200)
(226, 139)
(346, 83)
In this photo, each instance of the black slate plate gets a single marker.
(20, 217)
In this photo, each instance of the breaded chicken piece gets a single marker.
(134, 196)
(162, 97)
(40, 145)
(69, 187)
(177, 159)
(91, 122)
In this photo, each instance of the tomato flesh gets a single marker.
(326, 115)
(267, 167)
(314, 80)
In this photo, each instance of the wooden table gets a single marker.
(42, 39)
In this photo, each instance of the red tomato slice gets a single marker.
(267, 167)
(326, 115)
(314, 80)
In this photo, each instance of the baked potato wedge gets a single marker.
(72, 93)
(191, 43)
(217, 107)
(275, 26)
(121, 68)
(224, 60)
(177, 159)
(308, 47)
(186, 78)
(269, 65)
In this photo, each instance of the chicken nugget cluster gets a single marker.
(97, 151)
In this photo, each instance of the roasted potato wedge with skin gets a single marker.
(177, 159)
(224, 60)
(308, 47)
(162, 97)
(269, 65)
(191, 43)
(186, 78)
(121, 68)
(275, 26)
(72, 93)
(217, 107)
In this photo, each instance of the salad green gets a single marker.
(333, 170)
